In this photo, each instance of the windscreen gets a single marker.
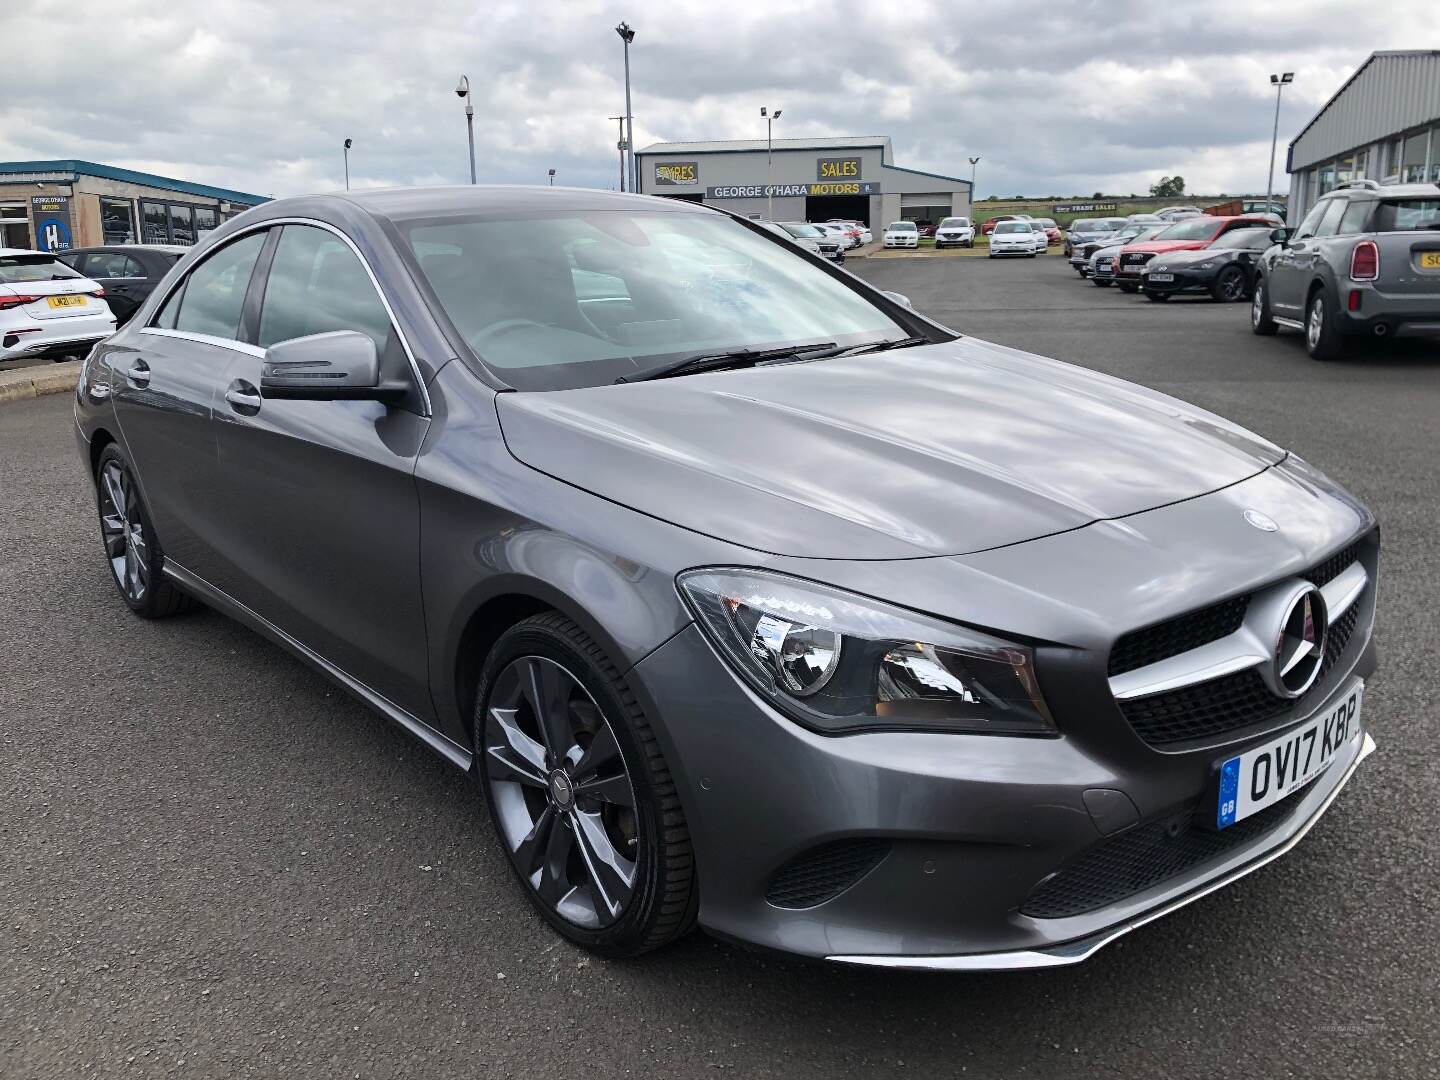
(20, 269)
(1245, 239)
(567, 299)
(799, 228)
(1084, 225)
(903, 226)
(1201, 228)
(1013, 227)
(954, 223)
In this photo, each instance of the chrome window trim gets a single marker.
(269, 223)
(205, 339)
(1245, 648)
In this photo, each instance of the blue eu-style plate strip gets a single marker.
(1229, 793)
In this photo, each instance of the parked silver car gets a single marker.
(1364, 262)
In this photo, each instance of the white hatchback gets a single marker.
(1016, 238)
(902, 234)
(47, 309)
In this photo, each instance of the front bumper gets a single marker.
(1185, 280)
(1306, 814)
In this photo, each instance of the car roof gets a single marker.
(420, 202)
(1390, 191)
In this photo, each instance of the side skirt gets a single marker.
(222, 602)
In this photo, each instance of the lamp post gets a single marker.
(627, 35)
(462, 91)
(1279, 82)
(552, 177)
(620, 145)
(770, 119)
(347, 163)
(973, 162)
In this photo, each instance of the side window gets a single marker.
(215, 290)
(317, 284)
(100, 265)
(1312, 220)
(1330, 223)
(166, 319)
(1356, 216)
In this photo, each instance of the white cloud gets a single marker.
(259, 94)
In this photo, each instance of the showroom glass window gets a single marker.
(1412, 162)
(206, 219)
(317, 284)
(157, 222)
(182, 224)
(117, 221)
(214, 291)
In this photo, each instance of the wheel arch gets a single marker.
(98, 442)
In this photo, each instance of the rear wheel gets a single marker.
(1261, 321)
(579, 792)
(1229, 285)
(131, 547)
(1323, 339)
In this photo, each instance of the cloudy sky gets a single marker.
(1056, 98)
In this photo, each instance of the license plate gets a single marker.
(1162, 277)
(1262, 777)
(1430, 260)
(65, 301)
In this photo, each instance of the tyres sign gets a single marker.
(51, 214)
(677, 173)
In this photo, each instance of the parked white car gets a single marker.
(1017, 238)
(47, 309)
(902, 234)
(835, 232)
(953, 231)
(866, 236)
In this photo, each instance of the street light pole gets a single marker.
(770, 119)
(1279, 82)
(627, 35)
(973, 162)
(347, 164)
(462, 91)
(620, 145)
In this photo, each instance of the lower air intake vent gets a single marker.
(823, 873)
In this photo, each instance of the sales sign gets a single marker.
(839, 168)
(677, 173)
(1084, 208)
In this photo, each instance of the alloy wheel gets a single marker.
(1257, 305)
(1315, 324)
(563, 798)
(1232, 285)
(122, 529)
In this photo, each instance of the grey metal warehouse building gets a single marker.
(813, 179)
(1383, 124)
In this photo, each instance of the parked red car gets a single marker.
(1186, 235)
(989, 226)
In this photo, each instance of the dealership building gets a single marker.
(54, 205)
(808, 179)
(1383, 125)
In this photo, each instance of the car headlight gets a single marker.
(840, 663)
(1208, 264)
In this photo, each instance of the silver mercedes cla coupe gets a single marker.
(749, 596)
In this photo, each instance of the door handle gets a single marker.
(243, 398)
(139, 373)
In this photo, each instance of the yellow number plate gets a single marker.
(1430, 260)
(65, 301)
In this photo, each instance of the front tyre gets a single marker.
(1323, 340)
(579, 792)
(1261, 320)
(1229, 285)
(131, 547)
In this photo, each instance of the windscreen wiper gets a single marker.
(719, 361)
(883, 346)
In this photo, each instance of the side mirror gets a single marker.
(899, 298)
(340, 365)
(1281, 236)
